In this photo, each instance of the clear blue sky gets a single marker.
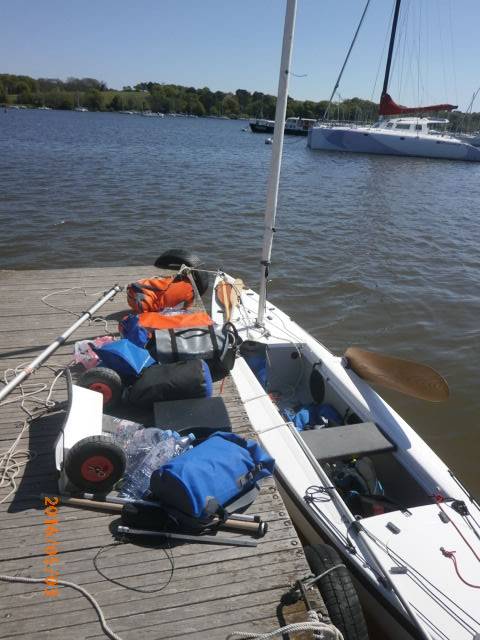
(227, 45)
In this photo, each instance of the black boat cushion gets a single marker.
(202, 416)
(347, 441)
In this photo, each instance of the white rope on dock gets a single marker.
(64, 583)
(93, 320)
(14, 458)
(318, 628)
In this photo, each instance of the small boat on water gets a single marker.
(354, 474)
(293, 126)
(152, 114)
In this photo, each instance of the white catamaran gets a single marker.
(417, 136)
(359, 477)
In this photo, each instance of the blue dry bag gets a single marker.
(130, 329)
(213, 477)
(319, 415)
(124, 357)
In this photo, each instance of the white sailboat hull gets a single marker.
(377, 141)
(445, 606)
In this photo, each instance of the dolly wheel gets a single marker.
(95, 464)
(337, 591)
(104, 381)
(174, 258)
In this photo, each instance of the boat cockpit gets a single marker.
(414, 126)
(356, 453)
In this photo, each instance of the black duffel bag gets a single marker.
(175, 381)
(217, 345)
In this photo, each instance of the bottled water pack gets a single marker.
(146, 451)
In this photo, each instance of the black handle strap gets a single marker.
(214, 340)
(173, 340)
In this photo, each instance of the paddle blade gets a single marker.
(228, 295)
(411, 378)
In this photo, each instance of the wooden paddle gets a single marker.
(228, 295)
(411, 378)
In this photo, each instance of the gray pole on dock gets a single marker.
(40, 359)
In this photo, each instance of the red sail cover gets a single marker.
(390, 108)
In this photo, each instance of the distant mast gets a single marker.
(387, 106)
(390, 49)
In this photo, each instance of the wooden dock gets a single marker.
(185, 591)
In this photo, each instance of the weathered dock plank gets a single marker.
(169, 591)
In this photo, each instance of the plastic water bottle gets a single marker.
(168, 444)
(139, 444)
(124, 433)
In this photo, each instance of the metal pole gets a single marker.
(40, 359)
(278, 133)
(201, 539)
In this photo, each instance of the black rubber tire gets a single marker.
(338, 592)
(174, 258)
(100, 376)
(106, 458)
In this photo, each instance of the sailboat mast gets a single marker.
(277, 147)
(337, 83)
(390, 47)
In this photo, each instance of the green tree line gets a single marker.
(165, 98)
(171, 98)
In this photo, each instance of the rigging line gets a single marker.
(346, 539)
(402, 43)
(439, 501)
(429, 623)
(469, 517)
(452, 56)
(402, 29)
(419, 52)
(429, 589)
(337, 83)
(422, 581)
(336, 531)
(474, 529)
(442, 51)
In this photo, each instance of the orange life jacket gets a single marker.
(155, 294)
(153, 320)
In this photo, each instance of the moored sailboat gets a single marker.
(392, 136)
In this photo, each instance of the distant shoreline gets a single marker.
(89, 94)
(94, 95)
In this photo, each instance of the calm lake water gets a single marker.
(378, 252)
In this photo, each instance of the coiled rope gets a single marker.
(14, 458)
(318, 628)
